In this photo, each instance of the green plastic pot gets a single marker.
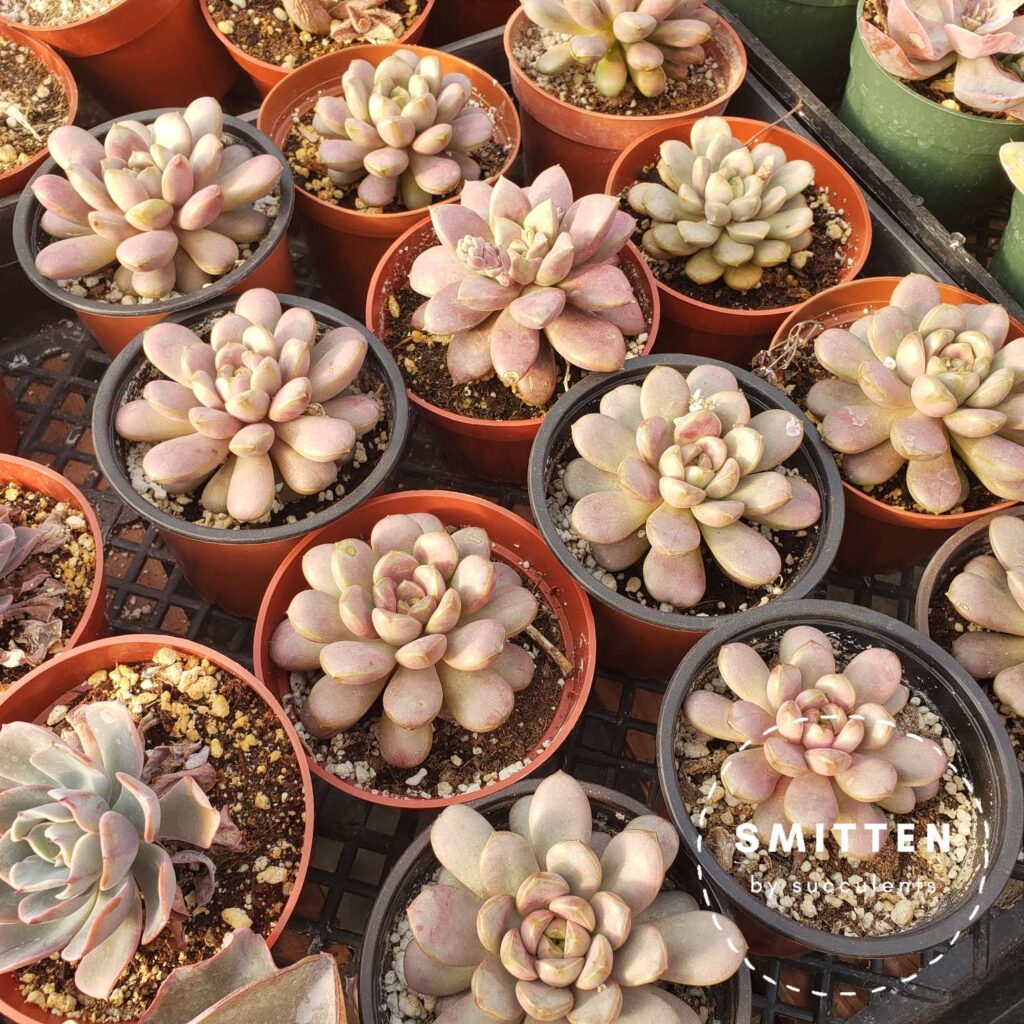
(1008, 263)
(949, 158)
(811, 37)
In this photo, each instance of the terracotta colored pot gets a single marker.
(265, 75)
(513, 541)
(645, 642)
(348, 244)
(15, 179)
(586, 143)
(31, 698)
(114, 325)
(880, 538)
(93, 623)
(452, 20)
(735, 335)
(232, 568)
(142, 53)
(491, 449)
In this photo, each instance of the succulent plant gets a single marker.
(523, 273)
(732, 209)
(29, 594)
(241, 983)
(404, 130)
(646, 41)
(419, 615)
(677, 464)
(168, 203)
(917, 382)
(261, 399)
(84, 871)
(927, 37)
(350, 21)
(555, 920)
(989, 593)
(819, 747)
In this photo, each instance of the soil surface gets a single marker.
(73, 564)
(32, 104)
(53, 12)
(262, 29)
(182, 699)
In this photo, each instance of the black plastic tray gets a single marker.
(51, 367)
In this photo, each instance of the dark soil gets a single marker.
(258, 780)
(27, 85)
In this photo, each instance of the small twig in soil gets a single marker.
(752, 141)
(12, 110)
(770, 363)
(563, 663)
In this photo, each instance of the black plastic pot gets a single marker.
(643, 641)
(416, 867)
(232, 568)
(114, 325)
(984, 754)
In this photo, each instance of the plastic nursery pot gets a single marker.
(30, 700)
(642, 641)
(491, 449)
(948, 157)
(43, 480)
(232, 568)
(346, 243)
(142, 53)
(15, 179)
(513, 541)
(586, 142)
(984, 755)
(417, 866)
(112, 324)
(811, 37)
(1007, 265)
(452, 20)
(265, 75)
(735, 335)
(881, 538)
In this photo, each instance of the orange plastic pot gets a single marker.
(736, 335)
(62, 679)
(142, 53)
(452, 20)
(43, 480)
(15, 179)
(114, 325)
(265, 75)
(490, 449)
(879, 538)
(348, 244)
(585, 142)
(513, 541)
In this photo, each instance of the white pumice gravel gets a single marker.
(53, 12)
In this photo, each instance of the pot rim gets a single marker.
(514, 27)
(243, 57)
(123, 369)
(29, 211)
(872, 626)
(855, 198)
(583, 637)
(44, 53)
(155, 642)
(98, 593)
(585, 395)
(870, 505)
(379, 923)
(517, 428)
(286, 89)
(71, 25)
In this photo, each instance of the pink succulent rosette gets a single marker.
(819, 747)
(920, 381)
(264, 399)
(927, 37)
(679, 464)
(989, 593)
(419, 615)
(169, 203)
(522, 274)
(84, 866)
(555, 920)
